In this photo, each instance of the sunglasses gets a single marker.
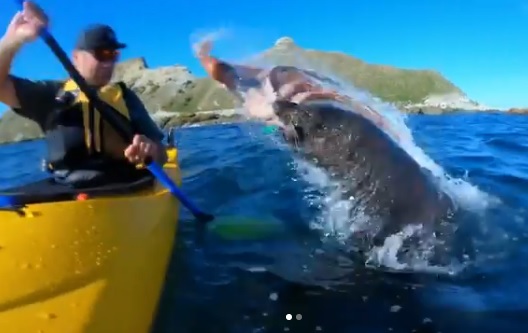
(106, 55)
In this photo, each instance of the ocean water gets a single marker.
(290, 259)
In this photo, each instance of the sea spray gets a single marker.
(335, 215)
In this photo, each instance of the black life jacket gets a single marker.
(84, 149)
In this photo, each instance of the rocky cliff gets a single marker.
(518, 110)
(174, 95)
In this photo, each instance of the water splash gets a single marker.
(335, 210)
(334, 219)
(198, 38)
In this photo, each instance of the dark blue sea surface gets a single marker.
(276, 248)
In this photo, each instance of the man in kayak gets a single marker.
(83, 147)
(252, 85)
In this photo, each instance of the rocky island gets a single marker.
(175, 97)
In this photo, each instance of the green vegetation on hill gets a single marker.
(16, 128)
(385, 82)
(202, 95)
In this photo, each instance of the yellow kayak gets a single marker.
(94, 264)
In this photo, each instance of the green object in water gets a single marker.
(246, 228)
(270, 129)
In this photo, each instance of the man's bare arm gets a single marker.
(218, 69)
(8, 51)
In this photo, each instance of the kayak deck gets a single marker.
(47, 191)
(95, 265)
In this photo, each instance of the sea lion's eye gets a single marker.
(300, 132)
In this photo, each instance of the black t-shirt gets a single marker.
(37, 101)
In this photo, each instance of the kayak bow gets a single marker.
(93, 263)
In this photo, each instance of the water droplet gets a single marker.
(395, 308)
(274, 296)
(25, 265)
(47, 315)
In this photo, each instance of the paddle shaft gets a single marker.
(107, 111)
(111, 115)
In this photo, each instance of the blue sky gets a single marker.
(480, 45)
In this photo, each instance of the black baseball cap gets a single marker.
(98, 36)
